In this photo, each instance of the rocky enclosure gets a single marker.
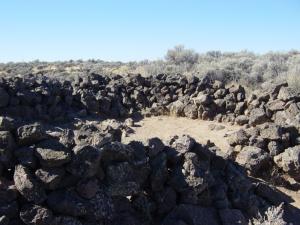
(58, 166)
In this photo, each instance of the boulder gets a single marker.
(203, 99)
(191, 111)
(86, 161)
(30, 134)
(241, 120)
(28, 186)
(275, 105)
(275, 147)
(6, 123)
(271, 132)
(257, 116)
(51, 153)
(176, 108)
(239, 137)
(155, 146)
(285, 94)
(253, 159)
(183, 143)
(289, 161)
(36, 215)
(50, 177)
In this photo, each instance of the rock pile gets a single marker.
(87, 176)
(270, 139)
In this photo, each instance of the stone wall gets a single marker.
(58, 172)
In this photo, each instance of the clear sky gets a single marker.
(124, 30)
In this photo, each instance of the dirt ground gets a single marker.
(165, 127)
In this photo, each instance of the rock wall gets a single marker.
(87, 176)
(39, 97)
(56, 171)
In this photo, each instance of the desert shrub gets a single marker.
(180, 55)
(273, 216)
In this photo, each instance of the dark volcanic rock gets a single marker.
(253, 158)
(36, 215)
(28, 186)
(4, 98)
(52, 154)
(30, 134)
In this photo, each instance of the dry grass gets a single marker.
(273, 216)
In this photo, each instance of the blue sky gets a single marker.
(127, 30)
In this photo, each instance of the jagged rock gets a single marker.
(275, 105)
(36, 215)
(28, 186)
(30, 134)
(239, 108)
(203, 99)
(183, 143)
(191, 111)
(257, 142)
(289, 161)
(86, 161)
(271, 132)
(4, 98)
(87, 188)
(253, 158)
(257, 116)
(52, 154)
(50, 177)
(176, 108)
(239, 137)
(101, 207)
(241, 120)
(116, 151)
(275, 148)
(285, 94)
(155, 146)
(6, 123)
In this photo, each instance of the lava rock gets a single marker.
(52, 154)
(30, 134)
(289, 161)
(253, 158)
(4, 98)
(28, 186)
(36, 215)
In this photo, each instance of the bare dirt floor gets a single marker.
(165, 127)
